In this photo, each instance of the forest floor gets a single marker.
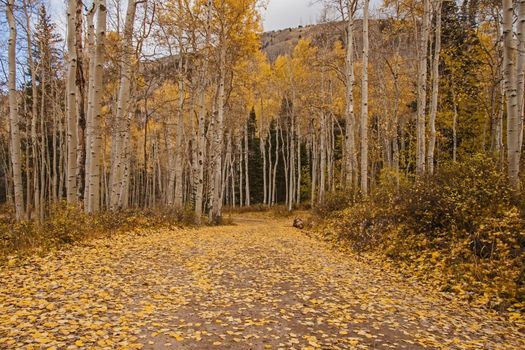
(259, 284)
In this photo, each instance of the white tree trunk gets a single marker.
(274, 176)
(364, 105)
(422, 90)
(435, 88)
(499, 146)
(201, 135)
(521, 67)
(94, 172)
(246, 167)
(511, 90)
(89, 113)
(315, 166)
(121, 125)
(34, 118)
(216, 210)
(15, 145)
(262, 148)
(270, 167)
(350, 153)
(179, 166)
(71, 92)
(454, 124)
(322, 167)
(299, 168)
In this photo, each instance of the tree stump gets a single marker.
(298, 223)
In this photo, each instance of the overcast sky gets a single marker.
(282, 14)
(290, 13)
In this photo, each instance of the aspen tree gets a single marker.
(422, 89)
(435, 87)
(121, 132)
(71, 93)
(90, 92)
(80, 98)
(200, 130)
(180, 131)
(246, 167)
(216, 210)
(364, 104)
(94, 173)
(15, 145)
(511, 91)
(520, 66)
(350, 153)
(322, 165)
(34, 116)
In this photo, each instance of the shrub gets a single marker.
(463, 227)
(68, 224)
(280, 211)
(336, 201)
(455, 199)
(248, 209)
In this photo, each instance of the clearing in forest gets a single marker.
(257, 285)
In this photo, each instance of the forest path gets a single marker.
(257, 285)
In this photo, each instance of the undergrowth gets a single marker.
(278, 211)
(66, 224)
(463, 229)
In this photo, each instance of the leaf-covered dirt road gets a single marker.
(258, 285)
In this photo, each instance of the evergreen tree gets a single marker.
(255, 161)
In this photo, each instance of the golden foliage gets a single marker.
(462, 228)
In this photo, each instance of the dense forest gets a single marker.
(188, 104)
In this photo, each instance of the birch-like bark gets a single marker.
(201, 135)
(34, 117)
(179, 133)
(291, 148)
(270, 167)
(422, 90)
(322, 151)
(511, 91)
(216, 210)
(120, 123)
(246, 167)
(520, 66)
(350, 153)
(71, 110)
(286, 163)
(124, 188)
(96, 124)
(499, 146)
(241, 171)
(44, 162)
(395, 131)
(435, 88)
(89, 110)
(262, 149)
(274, 178)
(299, 167)
(315, 166)
(14, 128)
(330, 154)
(225, 169)
(364, 104)
(80, 97)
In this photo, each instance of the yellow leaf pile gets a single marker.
(259, 285)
